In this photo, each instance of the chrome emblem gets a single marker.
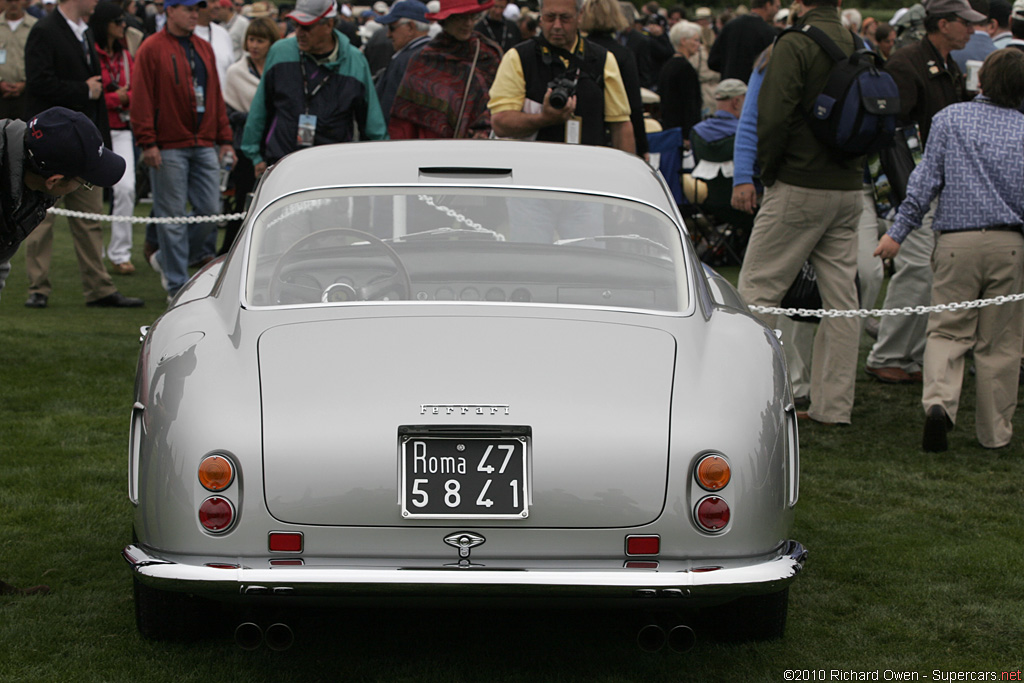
(464, 541)
(464, 409)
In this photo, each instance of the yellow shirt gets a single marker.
(508, 92)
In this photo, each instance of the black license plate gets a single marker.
(464, 477)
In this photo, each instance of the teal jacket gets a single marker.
(339, 93)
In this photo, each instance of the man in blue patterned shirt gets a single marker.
(975, 165)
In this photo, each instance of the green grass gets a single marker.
(915, 559)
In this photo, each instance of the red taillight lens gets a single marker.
(216, 473)
(287, 563)
(712, 513)
(285, 542)
(713, 472)
(216, 514)
(643, 545)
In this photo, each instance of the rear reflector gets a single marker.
(297, 562)
(285, 542)
(218, 565)
(643, 545)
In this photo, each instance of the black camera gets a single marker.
(562, 88)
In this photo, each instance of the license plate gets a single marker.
(464, 477)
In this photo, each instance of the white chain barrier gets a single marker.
(146, 219)
(765, 310)
(881, 312)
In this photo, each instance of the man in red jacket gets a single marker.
(176, 75)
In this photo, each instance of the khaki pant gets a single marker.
(796, 224)
(968, 266)
(88, 239)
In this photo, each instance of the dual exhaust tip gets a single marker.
(250, 636)
(652, 638)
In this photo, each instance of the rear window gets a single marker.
(499, 246)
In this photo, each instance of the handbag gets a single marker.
(896, 161)
(803, 293)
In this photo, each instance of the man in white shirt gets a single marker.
(217, 36)
(223, 12)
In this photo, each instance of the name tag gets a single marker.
(3, 56)
(573, 130)
(200, 99)
(307, 130)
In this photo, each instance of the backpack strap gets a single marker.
(821, 38)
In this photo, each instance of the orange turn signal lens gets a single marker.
(713, 473)
(216, 473)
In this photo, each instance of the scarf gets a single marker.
(432, 91)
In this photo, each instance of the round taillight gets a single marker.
(216, 514)
(216, 473)
(712, 514)
(713, 472)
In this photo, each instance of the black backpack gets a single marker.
(855, 113)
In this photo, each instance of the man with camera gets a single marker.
(560, 87)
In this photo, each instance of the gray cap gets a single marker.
(960, 8)
(729, 88)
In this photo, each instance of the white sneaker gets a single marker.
(155, 263)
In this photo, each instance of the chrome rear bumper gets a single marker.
(767, 576)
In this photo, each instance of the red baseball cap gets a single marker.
(452, 7)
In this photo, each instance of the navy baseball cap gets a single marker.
(186, 3)
(405, 9)
(67, 142)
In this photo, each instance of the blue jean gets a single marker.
(541, 220)
(186, 175)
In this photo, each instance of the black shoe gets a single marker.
(116, 300)
(936, 425)
(802, 403)
(37, 300)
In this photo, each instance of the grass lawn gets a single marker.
(915, 560)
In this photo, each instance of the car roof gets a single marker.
(459, 162)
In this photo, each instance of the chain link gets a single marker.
(146, 219)
(881, 312)
(766, 310)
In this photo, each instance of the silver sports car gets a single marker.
(480, 370)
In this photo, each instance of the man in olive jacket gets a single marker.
(811, 206)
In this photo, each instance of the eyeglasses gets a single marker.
(550, 18)
(302, 27)
(84, 185)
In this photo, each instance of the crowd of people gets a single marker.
(189, 91)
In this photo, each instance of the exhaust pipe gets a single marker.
(651, 638)
(248, 635)
(682, 638)
(280, 637)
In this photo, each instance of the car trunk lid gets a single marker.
(590, 399)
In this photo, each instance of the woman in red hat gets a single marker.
(445, 90)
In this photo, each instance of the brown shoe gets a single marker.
(889, 375)
(805, 416)
(916, 377)
(125, 268)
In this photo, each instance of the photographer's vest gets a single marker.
(541, 65)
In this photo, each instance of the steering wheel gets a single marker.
(287, 279)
